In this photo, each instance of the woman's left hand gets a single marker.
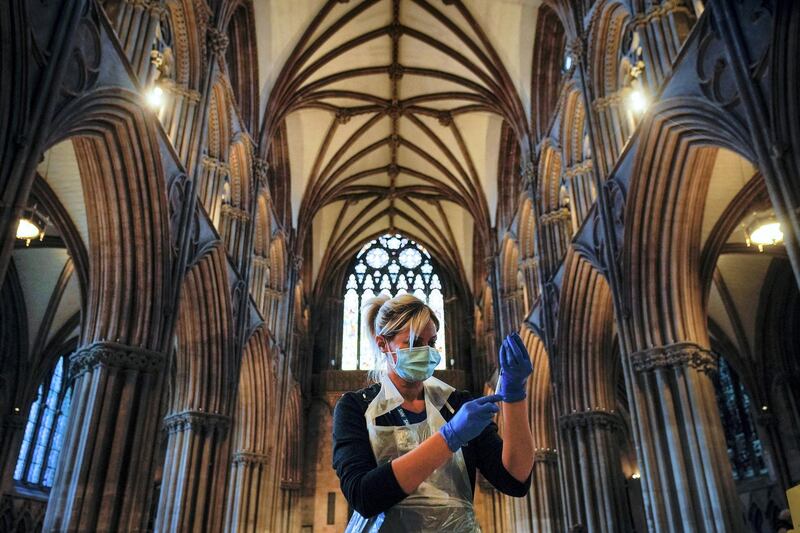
(515, 367)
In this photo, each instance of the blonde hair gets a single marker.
(387, 316)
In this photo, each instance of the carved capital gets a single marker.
(553, 217)
(659, 11)
(250, 459)
(592, 418)
(235, 213)
(115, 355)
(198, 421)
(685, 354)
(217, 41)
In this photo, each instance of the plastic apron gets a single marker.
(443, 502)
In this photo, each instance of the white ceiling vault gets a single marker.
(394, 111)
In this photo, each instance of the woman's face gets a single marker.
(426, 337)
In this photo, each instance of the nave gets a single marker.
(198, 196)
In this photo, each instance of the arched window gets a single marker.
(391, 264)
(44, 432)
(744, 447)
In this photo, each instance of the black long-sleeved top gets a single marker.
(371, 489)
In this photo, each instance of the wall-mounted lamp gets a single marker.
(155, 97)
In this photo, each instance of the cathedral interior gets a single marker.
(199, 195)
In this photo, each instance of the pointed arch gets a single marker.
(205, 369)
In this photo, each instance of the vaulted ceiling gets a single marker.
(394, 112)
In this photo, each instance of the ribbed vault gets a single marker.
(394, 110)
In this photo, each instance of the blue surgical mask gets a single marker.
(416, 364)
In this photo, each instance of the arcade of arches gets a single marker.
(211, 187)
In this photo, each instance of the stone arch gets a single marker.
(242, 63)
(573, 127)
(235, 217)
(201, 402)
(510, 291)
(590, 426)
(291, 466)
(555, 220)
(278, 262)
(189, 29)
(117, 148)
(255, 437)
(214, 187)
(278, 265)
(667, 359)
(543, 503)
(292, 455)
(118, 151)
(220, 121)
(608, 68)
(548, 52)
(204, 366)
(609, 19)
(260, 278)
(577, 175)
(682, 135)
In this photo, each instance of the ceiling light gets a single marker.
(763, 230)
(31, 226)
(155, 97)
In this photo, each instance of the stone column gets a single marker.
(135, 23)
(249, 492)
(662, 30)
(686, 476)
(556, 227)
(540, 511)
(104, 477)
(233, 226)
(195, 469)
(582, 193)
(592, 466)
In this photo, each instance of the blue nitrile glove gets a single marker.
(469, 421)
(515, 367)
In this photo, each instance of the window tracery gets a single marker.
(391, 265)
(44, 431)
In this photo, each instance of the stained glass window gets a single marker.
(744, 446)
(392, 265)
(44, 431)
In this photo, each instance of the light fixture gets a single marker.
(637, 101)
(636, 475)
(31, 226)
(155, 97)
(763, 230)
(637, 98)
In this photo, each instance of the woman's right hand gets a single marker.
(470, 420)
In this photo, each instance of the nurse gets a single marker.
(406, 449)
